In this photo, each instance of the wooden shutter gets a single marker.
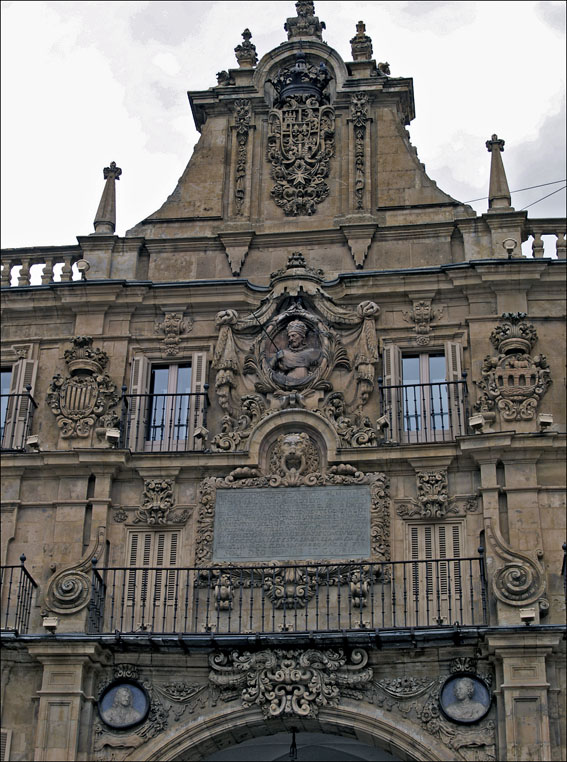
(391, 374)
(454, 365)
(18, 410)
(437, 592)
(5, 742)
(198, 381)
(151, 594)
(136, 423)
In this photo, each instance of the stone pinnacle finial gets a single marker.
(105, 219)
(361, 44)
(305, 24)
(246, 52)
(498, 193)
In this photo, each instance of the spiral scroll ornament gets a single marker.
(518, 583)
(68, 592)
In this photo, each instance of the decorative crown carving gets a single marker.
(82, 356)
(514, 334)
(301, 78)
(306, 24)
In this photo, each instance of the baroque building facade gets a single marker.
(287, 458)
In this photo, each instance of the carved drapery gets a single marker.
(291, 682)
(87, 395)
(289, 357)
(513, 381)
(359, 118)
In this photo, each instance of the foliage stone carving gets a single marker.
(359, 117)
(291, 683)
(242, 124)
(157, 504)
(173, 326)
(87, 394)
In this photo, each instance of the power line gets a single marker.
(541, 199)
(531, 187)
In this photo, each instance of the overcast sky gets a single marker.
(86, 83)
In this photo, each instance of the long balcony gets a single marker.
(425, 413)
(164, 422)
(288, 598)
(17, 418)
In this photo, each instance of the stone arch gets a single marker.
(226, 727)
(318, 428)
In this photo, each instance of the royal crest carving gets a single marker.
(173, 326)
(301, 138)
(288, 353)
(283, 683)
(87, 394)
(513, 381)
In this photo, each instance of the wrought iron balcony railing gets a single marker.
(425, 413)
(288, 598)
(164, 422)
(16, 593)
(17, 419)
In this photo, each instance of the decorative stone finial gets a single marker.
(105, 219)
(246, 52)
(305, 24)
(361, 44)
(498, 194)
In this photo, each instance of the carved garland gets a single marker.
(359, 116)
(242, 123)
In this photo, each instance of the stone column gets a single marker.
(523, 694)
(66, 701)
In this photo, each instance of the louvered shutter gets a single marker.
(391, 374)
(19, 407)
(198, 381)
(5, 742)
(136, 419)
(454, 364)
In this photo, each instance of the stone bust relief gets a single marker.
(293, 365)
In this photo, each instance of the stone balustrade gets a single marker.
(549, 226)
(17, 267)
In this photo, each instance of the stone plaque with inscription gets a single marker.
(292, 524)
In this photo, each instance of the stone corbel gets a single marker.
(359, 237)
(69, 590)
(518, 578)
(236, 245)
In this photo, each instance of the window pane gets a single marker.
(439, 399)
(410, 370)
(157, 418)
(183, 379)
(437, 372)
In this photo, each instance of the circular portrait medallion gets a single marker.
(465, 698)
(123, 705)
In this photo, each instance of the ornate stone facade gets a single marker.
(285, 356)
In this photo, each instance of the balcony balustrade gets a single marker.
(288, 598)
(16, 593)
(17, 418)
(21, 268)
(425, 413)
(164, 422)
(550, 226)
